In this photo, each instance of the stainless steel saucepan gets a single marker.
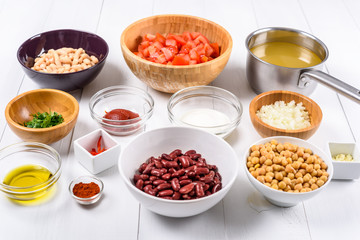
(264, 76)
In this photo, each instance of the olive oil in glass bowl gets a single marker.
(28, 172)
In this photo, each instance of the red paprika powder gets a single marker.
(86, 190)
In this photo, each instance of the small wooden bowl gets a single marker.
(271, 97)
(168, 78)
(19, 110)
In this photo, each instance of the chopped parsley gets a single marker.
(44, 120)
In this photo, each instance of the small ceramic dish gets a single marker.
(102, 161)
(209, 108)
(345, 169)
(87, 179)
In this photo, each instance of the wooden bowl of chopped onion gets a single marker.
(42, 115)
(158, 65)
(285, 113)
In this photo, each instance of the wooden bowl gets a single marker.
(271, 97)
(168, 78)
(19, 110)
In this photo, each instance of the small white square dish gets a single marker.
(86, 144)
(346, 170)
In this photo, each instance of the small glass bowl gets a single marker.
(87, 179)
(121, 97)
(23, 156)
(213, 109)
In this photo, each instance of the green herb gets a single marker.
(44, 120)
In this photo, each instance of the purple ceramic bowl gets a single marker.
(41, 43)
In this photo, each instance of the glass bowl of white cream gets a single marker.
(209, 108)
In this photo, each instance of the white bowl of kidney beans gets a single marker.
(287, 170)
(178, 171)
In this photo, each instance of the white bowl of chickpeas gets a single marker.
(287, 170)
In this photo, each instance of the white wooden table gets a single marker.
(243, 214)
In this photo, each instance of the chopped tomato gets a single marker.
(216, 52)
(187, 48)
(160, 38)
(181, 59)
(194, 35)
(171, 42)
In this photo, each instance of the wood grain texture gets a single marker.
(168, 78)
(20, 109)
(270, 97)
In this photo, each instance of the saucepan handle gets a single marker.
(331, 82)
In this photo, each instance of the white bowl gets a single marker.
(215, 150)
(342, 169)
(99, 162)
(285, 199)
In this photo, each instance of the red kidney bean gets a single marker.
(202, 170)
(178, 176)
(199, 190)
(166, 156)
(136, 177)
(171, 164)
(176, 196)
(166, 176)
(148, 168)
(185, 182)
(216, 188)
(153, 178)
(139, 184)
(175, 153)
(187, 188)
(195, 156)
(163, 186)
(175, 184)
(158, 182)
(189, 152)
(183, 177)
(158, 164)
(156, 172)
(147, 182)
(178, 173)
(164, 193)
(144, 176)
(142, 167)
(184, 161)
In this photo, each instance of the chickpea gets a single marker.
(306, 185)
(277, 160)
(310, 160)
(302, 171)
(298, 175)
(261, 179)
(324, 178)
(290, 191)
(284, 162)
(251, 169)
(314, 186)
(326, 174)
(268, 179)
(270, 156)
(307, 177)
(323, 165)
(249, 164)
(298, 187)
(268, 162)
(306, 155)
(287, 180)
(300, 151)
(289, 169)
(271, 174)
(319, 173)
(276, 167)
(280, 147)
(295, 157)
(320, 182)
(301, 160)
(262, 159)
(291, 176)
(296, 165)
(310, 168)
(282, 185)
(274, 181)
(261, 171)
(287, 188)
(273, 142)
(263, 152)
(303, 190)
(255, 160)
(255, 148)
(255, 174)
(269, 169)
(296, 191)
(311, 181)
(314, 173)
(299, 180)
(308, 150)
(317, 161)
(275, 186)
(267, 184)
(303, 165)
(289, 160)
(279, 176)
